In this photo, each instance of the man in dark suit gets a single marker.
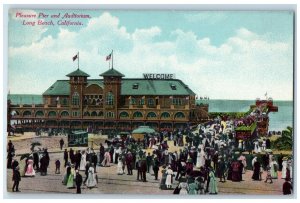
(149, 162)
(102, 151)
(36, 161)
(143, 168)
(16, 178)
(71, 155)
(94, 161)
(66, 157)
(78, 181)
(77, 159)
(61, 143)
(129, 160)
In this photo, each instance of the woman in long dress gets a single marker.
(244, 161)
(22, 166)
(213, 188)
(169, 173)
(71, 182)
(198, 162)
(83, 161)
(284, 166)
(66, 176)
(192, 188)
(30, 171)
(120, 167)
(256, 145)
(256, 169)
(274, 169)
(163, 178)
(183, 186)
(91, 181)
(107, 159)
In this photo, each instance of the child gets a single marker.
(57, 167)
(269, 177)
(287, 187)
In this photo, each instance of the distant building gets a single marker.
(113, 102)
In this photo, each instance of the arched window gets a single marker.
(124, 114)
(94, 113)
(75, 99)
(86, 113)
(151, 115)
(26, 113)
(64, 114)
(179, 115)
(52, 114)
(100, 114)
(39, 114)
(165, 115)
(137, 114)
(110, 98)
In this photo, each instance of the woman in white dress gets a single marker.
(284, 166)
(91, 181)
(263, 145)
(290, 166)
(120, 167)
(256, 145)
(169, 173)
(240, 144)
(83, 161)
(198, 162)
(183, 186)
(274, 169)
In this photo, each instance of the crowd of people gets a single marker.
(193, 166)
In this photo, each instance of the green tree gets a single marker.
(285, 142)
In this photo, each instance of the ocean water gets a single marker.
(278, 120)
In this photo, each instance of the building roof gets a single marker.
(112, 72)
(78, 72)
(60, 87)
(131, 87)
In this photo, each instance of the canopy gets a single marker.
(143, 130)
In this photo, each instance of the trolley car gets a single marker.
(78, 139)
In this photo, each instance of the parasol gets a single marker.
(23, 156)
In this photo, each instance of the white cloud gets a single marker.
(243, 67)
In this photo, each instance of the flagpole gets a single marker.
(112, 59)
(78, 59)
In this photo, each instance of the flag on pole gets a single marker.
(75, 57)
(108, 57)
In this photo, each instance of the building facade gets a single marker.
(111, 102)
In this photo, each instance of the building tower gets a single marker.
(78, 81)
(112, 80)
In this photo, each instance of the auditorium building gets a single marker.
(112, 102)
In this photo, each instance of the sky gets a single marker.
(221, 55)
